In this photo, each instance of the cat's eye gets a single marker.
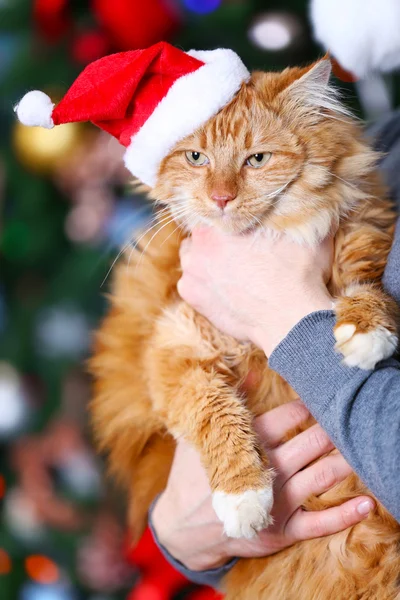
(258, 160)
(197, 159)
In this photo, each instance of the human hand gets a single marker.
(254, 286)
(186, 524)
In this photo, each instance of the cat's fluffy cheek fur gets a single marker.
(244, 515)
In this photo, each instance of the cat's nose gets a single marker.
(221, 200)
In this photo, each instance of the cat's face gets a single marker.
(264, 159)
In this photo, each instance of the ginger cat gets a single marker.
(284, 155)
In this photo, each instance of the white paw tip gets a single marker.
(344, 332)
(244, 515)
(365, 350)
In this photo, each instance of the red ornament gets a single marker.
(89, 46)
(133, 25)
(160, 584)
(159, 580)
(205, 593)
(145, 554)
(52, 18)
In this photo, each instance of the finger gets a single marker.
(316, 479)
(305, 525)
(298, 452)
(273, 425)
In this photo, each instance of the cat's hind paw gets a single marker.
(245, 514)
(364, 350)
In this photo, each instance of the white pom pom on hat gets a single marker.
(363, 36)
(35, 110)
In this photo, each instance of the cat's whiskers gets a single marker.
(253, 216)
(137, 241)
(156, 222)
(189, 224)
(276, 193)
(123, 249)
(334, 175)
(351, 185)
(181, 225)
(126, 246)
(171, 220)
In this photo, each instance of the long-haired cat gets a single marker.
(285, 156)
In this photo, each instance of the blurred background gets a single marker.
(66, 208)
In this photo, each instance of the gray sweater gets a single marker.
(360, 410)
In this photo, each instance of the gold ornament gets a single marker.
(41, 150)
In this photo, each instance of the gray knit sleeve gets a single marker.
(211, 577)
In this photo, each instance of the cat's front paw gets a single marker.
(245, 514)
(364, 350)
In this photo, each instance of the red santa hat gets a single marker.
(148, 99)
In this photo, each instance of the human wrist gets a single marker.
(196, 545)
(269, 335)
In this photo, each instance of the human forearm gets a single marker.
(310, 301)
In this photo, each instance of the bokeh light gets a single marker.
(14, 409)
(5, 562)
(202, 7)
(41, 569)
(39, 150)
(274, 31)
(37, 591)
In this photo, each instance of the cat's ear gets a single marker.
(312, 88)
(314, 80)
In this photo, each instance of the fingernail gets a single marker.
(365, 507)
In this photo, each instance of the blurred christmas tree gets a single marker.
(66, 209)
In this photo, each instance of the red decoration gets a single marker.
(342, 73)
(51, 18)
(132, 24)
(159, 581)
(124, 25)
(145, 553)
(88, 46)
(205, 593)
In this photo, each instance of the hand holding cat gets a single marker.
(188, 528)
(254, 286)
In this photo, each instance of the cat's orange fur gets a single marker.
(161, 370)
